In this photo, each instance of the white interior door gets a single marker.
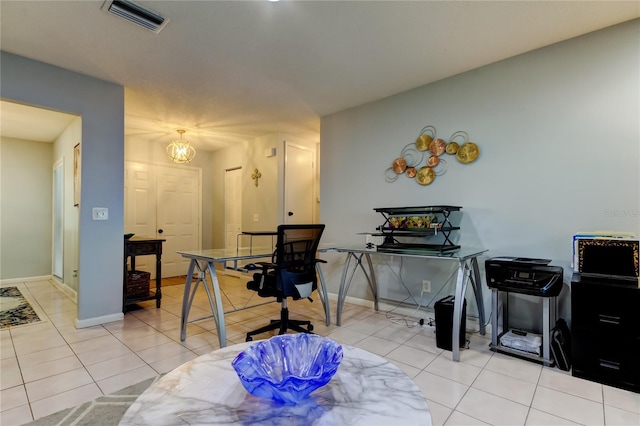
(298, 184)
(178, 216)
(168, 199)
(232, 206)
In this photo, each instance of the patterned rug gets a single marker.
(15, 309)
(104, 411)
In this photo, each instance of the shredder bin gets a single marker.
(444, 322)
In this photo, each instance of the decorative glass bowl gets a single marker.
(287, 368)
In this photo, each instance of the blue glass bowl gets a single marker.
(287, 368)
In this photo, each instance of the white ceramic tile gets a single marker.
(11, 375)
(371, 324)
(396, 333)
(540, 418)
(376, 345)
(347, 336)
(13, 397)
(440, 390)
(54, 385)
(36, 358)
(492, 409)
(407, 369)
(162, 351)
(414, 357)
(618, 417)
(66, 399)
(514, 367)
(459, 419)
(506, 387)
(6, 345)
(565, 382)
(621, 398)
(16, 416)
(460, 372)
(138, 344)
(425, 343)
(567, 406)
(50, 368)
(114, 366)
(72, 334)
(120, 381)
(168, 364)
(439, 413)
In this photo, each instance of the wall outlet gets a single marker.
(426, 286)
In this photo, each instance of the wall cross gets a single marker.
(255, 176)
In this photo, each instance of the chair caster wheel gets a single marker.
(310, 327)
(249, 339)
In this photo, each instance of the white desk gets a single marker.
(467, 272)
(203, 261)
(366, 390)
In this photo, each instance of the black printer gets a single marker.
(524, 275)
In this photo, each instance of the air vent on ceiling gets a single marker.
(135, 13)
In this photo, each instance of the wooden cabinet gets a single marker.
(605, 320)
(141, 247)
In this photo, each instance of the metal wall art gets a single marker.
(412, 163)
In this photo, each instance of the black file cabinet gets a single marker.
(605, 328)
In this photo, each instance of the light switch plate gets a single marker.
(100, 213)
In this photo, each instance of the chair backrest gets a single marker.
(295, 257)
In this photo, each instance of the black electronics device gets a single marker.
(443, 310)
(524, 275)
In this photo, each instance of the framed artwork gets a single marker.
(76, 175)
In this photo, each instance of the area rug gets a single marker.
(15, 309)
(104, 411)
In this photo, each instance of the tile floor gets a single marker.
(52, 365)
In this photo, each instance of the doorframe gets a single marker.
(58, 166)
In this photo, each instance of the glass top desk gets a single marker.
(467, 259)
(203, 262)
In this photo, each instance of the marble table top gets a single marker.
(366, 390)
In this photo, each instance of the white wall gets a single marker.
(25, 208)
(558, 130)
(101, 105)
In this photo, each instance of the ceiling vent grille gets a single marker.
(135, 13)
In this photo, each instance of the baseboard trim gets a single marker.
(25, 279)
(90, 322)
(64, 288)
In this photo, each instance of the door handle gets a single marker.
(160, 231)
(290, 214)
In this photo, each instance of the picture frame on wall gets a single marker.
(76, 175)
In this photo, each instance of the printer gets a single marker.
(524, 275)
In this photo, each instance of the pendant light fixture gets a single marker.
(180, 151)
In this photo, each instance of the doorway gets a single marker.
(57, 269)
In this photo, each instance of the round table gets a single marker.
(366, 390)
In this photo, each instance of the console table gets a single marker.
(141, 247)
(366, 390)
(468, 272)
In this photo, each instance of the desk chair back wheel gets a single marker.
(292, 273)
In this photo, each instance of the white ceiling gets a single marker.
(228, 71)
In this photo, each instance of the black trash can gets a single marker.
(444, 322)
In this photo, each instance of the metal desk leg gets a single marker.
(457, 308)
(187, 298)
(476, 282)
(216, 305)
(345, 284)
(494, 318)
(546, 330)
(322, 292)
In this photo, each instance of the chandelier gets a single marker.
(180, 151)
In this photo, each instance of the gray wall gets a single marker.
(101, 105)
(559, 138)
(25, 208)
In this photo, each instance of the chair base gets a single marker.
(283, 324)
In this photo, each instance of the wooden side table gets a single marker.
(141, 247)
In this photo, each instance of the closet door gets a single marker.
(163, 202)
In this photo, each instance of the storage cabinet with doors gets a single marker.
(605, 329)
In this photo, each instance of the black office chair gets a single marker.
(292, 273)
